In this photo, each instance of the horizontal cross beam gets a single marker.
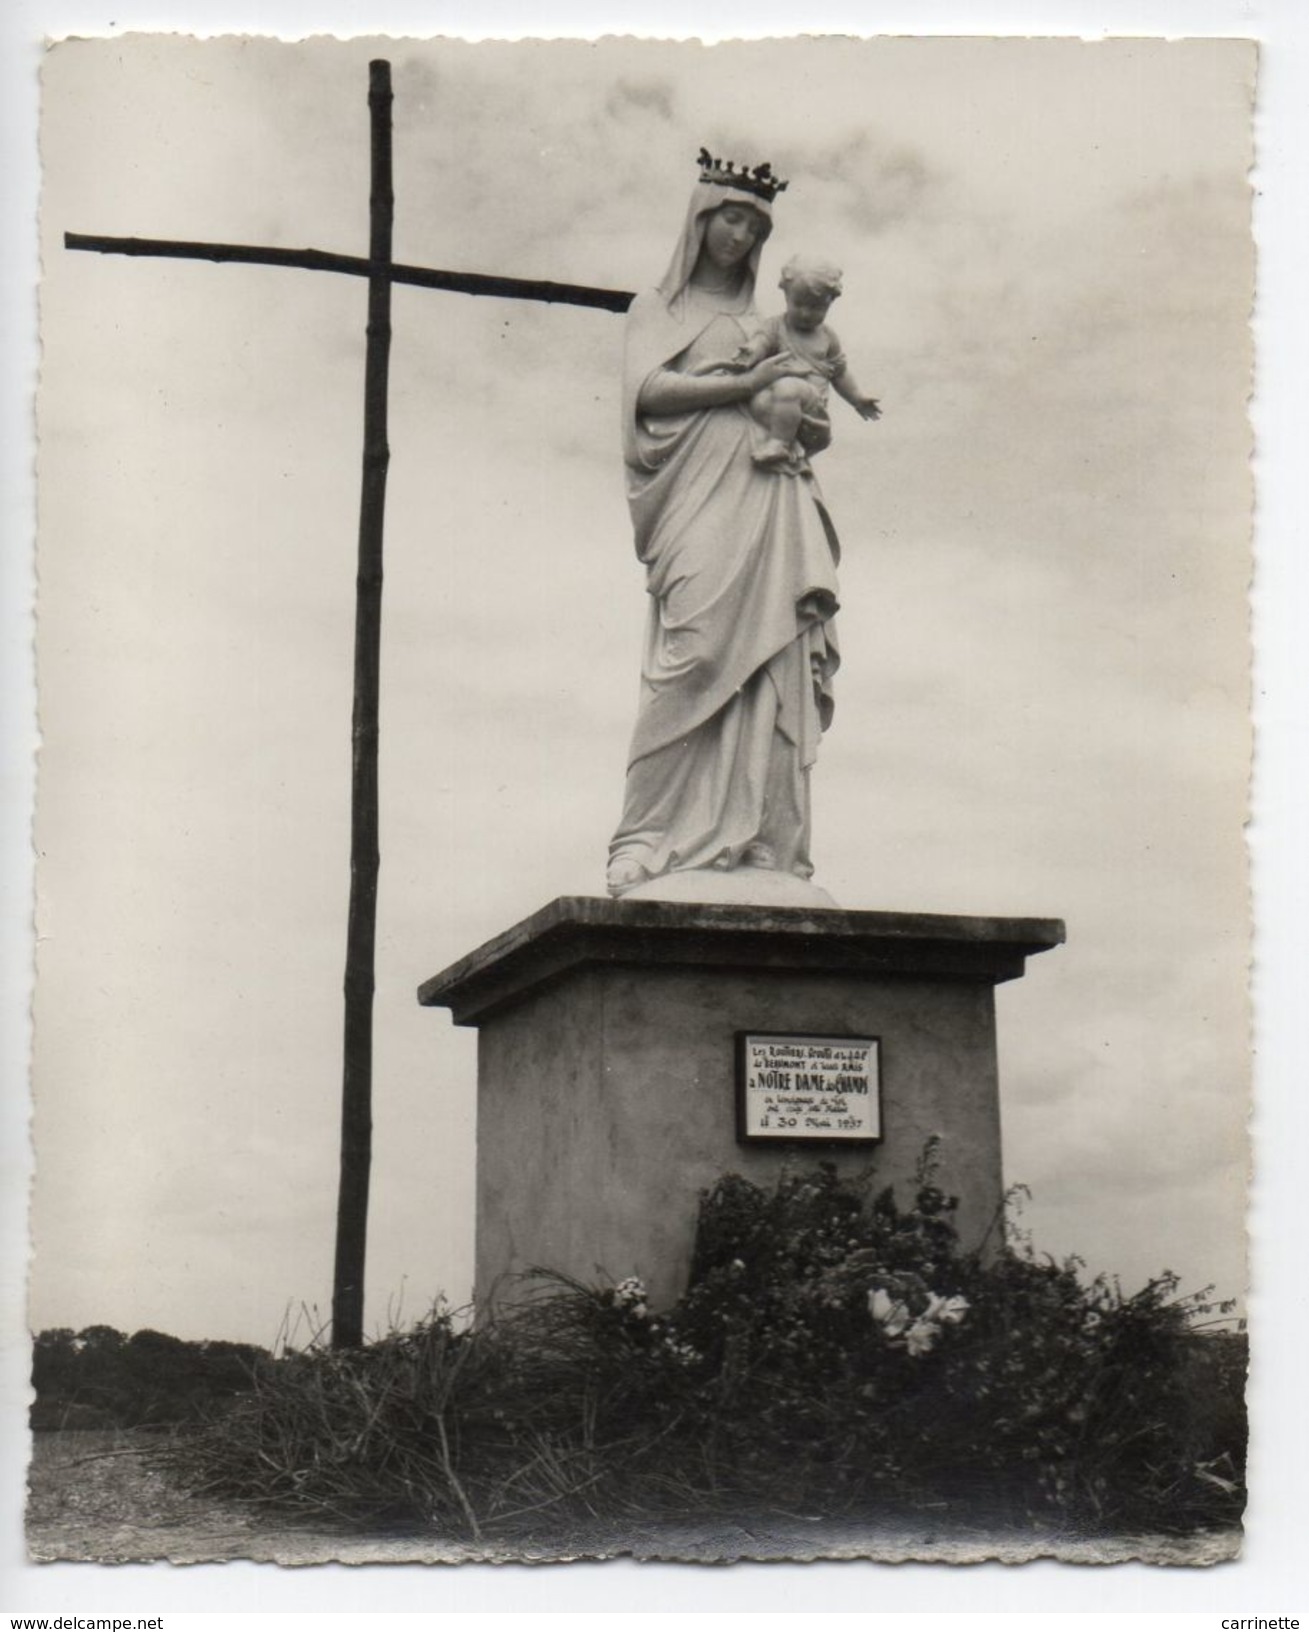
(318, 260)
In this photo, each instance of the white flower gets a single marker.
(946, 1311)
(891, 1315)
(921, 1336)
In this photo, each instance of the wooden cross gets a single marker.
(381, 272)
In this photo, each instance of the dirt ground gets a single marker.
(96, 1497)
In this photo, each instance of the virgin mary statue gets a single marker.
(740, 559)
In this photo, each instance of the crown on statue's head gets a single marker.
(760, 181)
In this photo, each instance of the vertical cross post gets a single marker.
(361, 932)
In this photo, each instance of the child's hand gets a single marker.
(867, 407)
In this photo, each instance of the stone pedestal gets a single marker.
(607, 1065)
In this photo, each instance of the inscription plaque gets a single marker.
(797, 1087)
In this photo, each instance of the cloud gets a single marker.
(869, 183)
(642, 99)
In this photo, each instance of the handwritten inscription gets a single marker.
(809, 1088)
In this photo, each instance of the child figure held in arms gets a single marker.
(810, 286)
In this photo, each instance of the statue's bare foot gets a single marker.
(624, 874)
(759, 854)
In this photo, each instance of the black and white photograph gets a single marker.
(642, 910)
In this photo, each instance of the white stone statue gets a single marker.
(740, 647)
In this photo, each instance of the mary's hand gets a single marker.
(769, 371)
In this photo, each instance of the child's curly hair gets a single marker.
(812, 272)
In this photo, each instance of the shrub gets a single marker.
(831, 1350)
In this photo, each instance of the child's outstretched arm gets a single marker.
(845, 385)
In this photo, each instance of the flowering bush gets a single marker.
(861, 1345)
(831, 1350)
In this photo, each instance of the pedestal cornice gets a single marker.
(578, 930)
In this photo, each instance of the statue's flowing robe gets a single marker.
(740, 647)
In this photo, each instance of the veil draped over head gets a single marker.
(661, 322)
(705, 199)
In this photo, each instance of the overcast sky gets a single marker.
(1043, 707)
